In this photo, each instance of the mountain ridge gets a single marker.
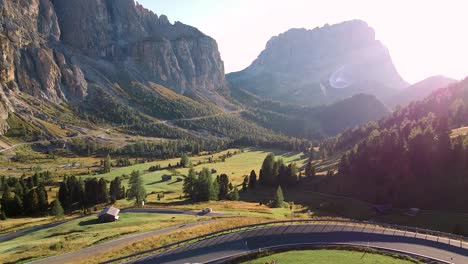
(317, 65)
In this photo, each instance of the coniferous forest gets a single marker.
(409, 159)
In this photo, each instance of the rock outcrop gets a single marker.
(52, 49)
(175, 55)
(321, 65)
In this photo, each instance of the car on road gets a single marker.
(207, 210)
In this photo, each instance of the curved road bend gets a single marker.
(217, 249)
(88, 252)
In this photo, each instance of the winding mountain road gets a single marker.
(221, 248)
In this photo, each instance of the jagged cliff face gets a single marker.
(321, 65)
(177, 56)
(53, 49)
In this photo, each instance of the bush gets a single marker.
(56, 246)
(2, 216)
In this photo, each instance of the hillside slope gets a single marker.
(405, 157)
(418, 91)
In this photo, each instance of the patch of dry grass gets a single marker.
(161, 240)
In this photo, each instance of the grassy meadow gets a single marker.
(326, 256)
(83, 232)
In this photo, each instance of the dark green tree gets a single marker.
(252, 180)
(234, 195)
(64, 195)
(309, 169)
(57, 210)
(190, 183)
(43, 202)
(267, 173)
(7, 200)
(205, 185)
(245, 183)
(136, 189)
(278, 199)
(184, 160)
(223, 183)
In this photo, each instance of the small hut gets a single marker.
(166, 177)
(109, 214)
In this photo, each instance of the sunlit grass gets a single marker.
(84, 232)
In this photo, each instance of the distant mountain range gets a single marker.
(418, 91)
(321, 66)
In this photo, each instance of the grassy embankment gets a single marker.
(83, 232)
(326, 256)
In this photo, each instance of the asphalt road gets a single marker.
(217, 249)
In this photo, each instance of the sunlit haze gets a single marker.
(424, 37)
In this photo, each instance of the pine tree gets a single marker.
(205, 186)
(31, 202)
(190, 182)
(7, 199)
(103, 192)
(43, 199)
(2, 215)
(252, 180)
(57, 209)
(223, 183)
(278, 199)
(107, 164)
(234, 195)
(136, 189)
(19, 190)
(17, 206)
(267, 174)
(309, 169)
(184, 160)
(245, 183)
(64, 195)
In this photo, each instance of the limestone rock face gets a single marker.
(52, 49)
(175, 55)
(30, 30)
(321, 65)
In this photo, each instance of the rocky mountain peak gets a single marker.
(317, 65)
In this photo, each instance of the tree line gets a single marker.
(202, 187)
(24, 196)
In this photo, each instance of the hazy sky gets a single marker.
(425, 37)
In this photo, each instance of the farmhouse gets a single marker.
(109, 214)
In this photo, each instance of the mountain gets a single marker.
(403, 157)
(322, 65)
(419, 90)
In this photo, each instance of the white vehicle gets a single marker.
(207, 210)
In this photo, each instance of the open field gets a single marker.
(84, 232)
(325, 256)
(14, 224)
(236, 167)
